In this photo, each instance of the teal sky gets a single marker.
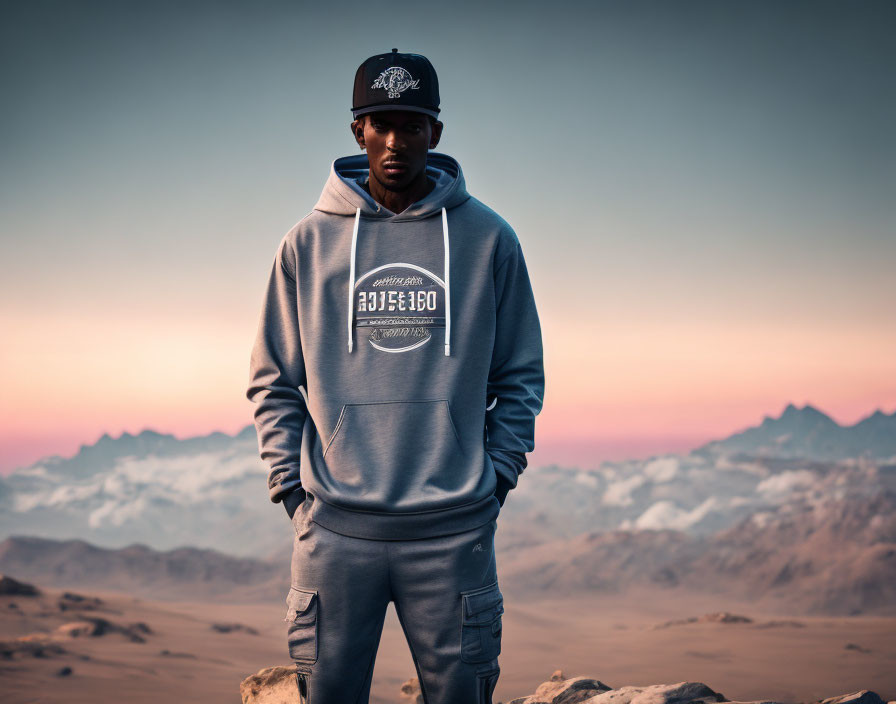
(705, 193)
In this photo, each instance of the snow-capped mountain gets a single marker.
(211, 491)
(207, 492)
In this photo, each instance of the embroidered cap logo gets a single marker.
(396, 80)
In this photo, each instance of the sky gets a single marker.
(705, 193)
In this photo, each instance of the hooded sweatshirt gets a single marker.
(397, 370)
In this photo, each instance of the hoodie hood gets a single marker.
(343, 193)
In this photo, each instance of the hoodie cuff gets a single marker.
(293, 500)
(503, 487)
(508, 467)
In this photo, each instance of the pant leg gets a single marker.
(337, 606)
(449, 604)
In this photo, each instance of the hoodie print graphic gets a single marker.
(401, 302)
(395, 413)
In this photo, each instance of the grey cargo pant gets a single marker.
(446, 597)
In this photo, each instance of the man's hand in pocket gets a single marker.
(293, 500)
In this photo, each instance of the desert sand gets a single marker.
(173, 651)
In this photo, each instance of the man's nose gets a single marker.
(394, 142)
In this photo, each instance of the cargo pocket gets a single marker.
(374, 445)
(301, 614)
(481, 625)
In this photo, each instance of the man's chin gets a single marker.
(397, 184)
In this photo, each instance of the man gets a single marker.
(397, 373)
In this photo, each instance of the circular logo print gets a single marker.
(401, 304)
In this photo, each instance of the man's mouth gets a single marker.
(394, 168)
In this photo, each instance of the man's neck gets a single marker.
(399, 201)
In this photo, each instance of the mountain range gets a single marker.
(210, 492)
(808, 433)
(830, 555)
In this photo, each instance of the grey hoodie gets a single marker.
(397, 369)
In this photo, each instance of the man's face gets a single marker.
(397, 142)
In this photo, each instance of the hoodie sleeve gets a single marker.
(276, 371)
(516, 375)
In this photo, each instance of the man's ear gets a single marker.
(357, 128)
(436, 134)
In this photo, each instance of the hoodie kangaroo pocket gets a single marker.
(397, 453)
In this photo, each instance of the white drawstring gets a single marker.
(447, 285)
(351, 281)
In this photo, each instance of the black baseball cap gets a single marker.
(396, 81)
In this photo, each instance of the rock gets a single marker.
(856, 647)
(36, 646)
(564, 691)
(78, 629)
(64, 672)
(864, 696)
(140, 627)
(95, 627)
(272, 685)
(277, 685)
(70, 600)
(411, 692)
(13, 587)
(725, 617)
(585, 690)
(676, 622)
(781, 622)
(717, 617)
(680, 692)
(232, 627)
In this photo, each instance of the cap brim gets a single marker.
(395, 106)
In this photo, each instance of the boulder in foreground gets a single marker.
(272, 685)
(277, 685)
